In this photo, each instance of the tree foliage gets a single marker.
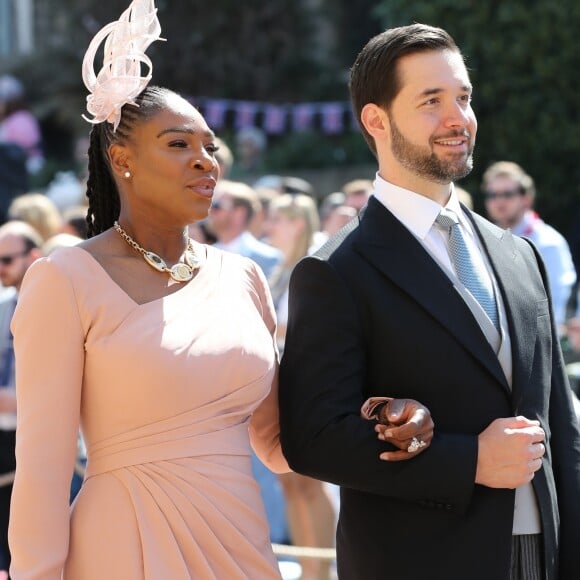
(257, 50)
(524, 61)
(269, 50)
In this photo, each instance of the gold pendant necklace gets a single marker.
(180, 272)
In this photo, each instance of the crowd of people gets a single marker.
(275, 226)
(180, 283)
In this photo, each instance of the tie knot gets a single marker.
(446, 218)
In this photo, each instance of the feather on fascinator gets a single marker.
(119, 81)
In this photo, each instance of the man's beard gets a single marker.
(414, 158)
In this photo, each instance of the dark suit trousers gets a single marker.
(7, 464)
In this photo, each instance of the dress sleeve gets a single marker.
(49, 349)
(265, 422)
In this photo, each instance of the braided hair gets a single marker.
(102, 192)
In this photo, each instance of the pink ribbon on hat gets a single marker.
(119, 81)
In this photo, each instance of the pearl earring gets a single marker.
(127, 174)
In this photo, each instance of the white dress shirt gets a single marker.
(418, 213)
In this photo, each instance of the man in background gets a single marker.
(509, 194)
(19, 246)
(233, 207)
(357, 193)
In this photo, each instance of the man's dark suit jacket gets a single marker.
(375, 315)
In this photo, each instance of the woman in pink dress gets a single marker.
(162, 350)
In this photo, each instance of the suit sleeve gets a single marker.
(322, 388)
(49, 347)
(265, 422)
(565, 448)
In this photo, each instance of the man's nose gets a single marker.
(458, 115)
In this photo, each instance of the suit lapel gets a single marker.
(394, 251)
(520, 303)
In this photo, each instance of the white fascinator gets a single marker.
(119, 81)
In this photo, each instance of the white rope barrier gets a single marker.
(304, 552)
(7, 478)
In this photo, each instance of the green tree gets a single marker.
(524, 61)
(261, 50)
(256, 50)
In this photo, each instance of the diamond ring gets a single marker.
(415, 445)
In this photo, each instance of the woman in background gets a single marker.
(39, 211)
(291, 225)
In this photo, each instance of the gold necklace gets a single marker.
(180, 272)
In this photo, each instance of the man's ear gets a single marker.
(376, 121)
(120, 160)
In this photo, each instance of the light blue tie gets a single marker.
(466, 267)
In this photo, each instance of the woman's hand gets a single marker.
(406, 424)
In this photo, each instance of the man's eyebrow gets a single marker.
(186, 130)
(428, 93)
(435, 91)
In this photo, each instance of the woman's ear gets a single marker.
(376, 121)
(120, 160)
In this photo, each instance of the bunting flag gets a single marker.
(331, 118)
(245, 114)
(303, 117)
(215, 113)
(274, 119)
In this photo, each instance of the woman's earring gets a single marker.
(127, 174)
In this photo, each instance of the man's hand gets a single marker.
(510, 452)
(400, 421)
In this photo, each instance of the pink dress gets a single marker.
(169, 395)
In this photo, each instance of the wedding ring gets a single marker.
(415, 445)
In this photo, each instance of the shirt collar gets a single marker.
(234, 246)
(416, 212)
(527, 224)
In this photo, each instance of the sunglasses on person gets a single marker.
(217, 204)
(510, 194)
(7, 259)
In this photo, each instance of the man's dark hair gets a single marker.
(102, 193)
(374, 75)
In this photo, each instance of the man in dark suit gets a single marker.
(389, 308)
